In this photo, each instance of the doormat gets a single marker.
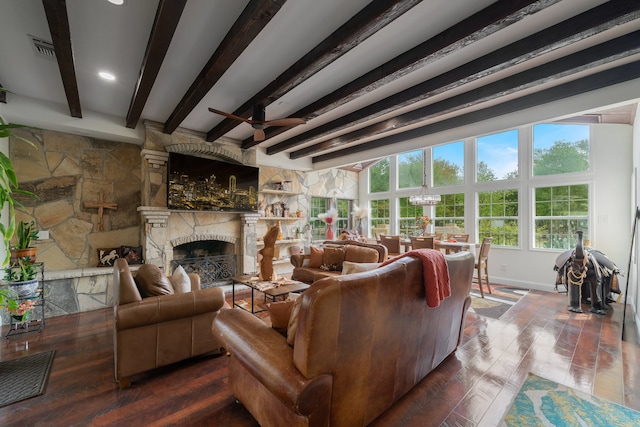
(496, 303)
(542, 402)
(24, 377)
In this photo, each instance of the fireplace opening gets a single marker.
(213, 260)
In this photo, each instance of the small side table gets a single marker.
(271, 289)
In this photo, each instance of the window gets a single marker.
(319, 227)
(380, 217)
(497, 156)
(498, 216)
(410, 169)
(448, 164)
(559, 148)
(560, 212)
(407, 218)
(379, 177)
(343, 222)
(450, 214)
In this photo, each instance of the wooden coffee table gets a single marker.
(272, 289)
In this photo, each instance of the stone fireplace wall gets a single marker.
(66, 171)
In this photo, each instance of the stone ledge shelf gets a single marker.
(82, 272)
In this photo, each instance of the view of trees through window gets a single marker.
(560, 148)
(379, 176)
(560, 212)
(318, 227)
(497, 156)
(498, 216)
(407, 218)
(450, 213)
(380, 214)
(410, 171)
(448, 164)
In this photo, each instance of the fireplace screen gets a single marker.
(216, 270)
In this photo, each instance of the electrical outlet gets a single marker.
(43, 235)
(503, 267)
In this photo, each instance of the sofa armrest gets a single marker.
(266, 355)
(164, 308)
(297, 260)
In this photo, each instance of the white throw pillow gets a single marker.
(349, 267)
(180, 281)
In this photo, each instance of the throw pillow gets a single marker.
(152, 282)
(180, 281)
(332, 258)
(280, 313)
(315, 258)
(293, 322)
(349, 267)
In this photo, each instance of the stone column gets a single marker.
(154, 234)
(247, 255)
(154, 178)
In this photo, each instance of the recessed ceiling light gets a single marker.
(117, 2)
(107, 76)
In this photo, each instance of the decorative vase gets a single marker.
(24, 289)
(359, 228)
(329, 235)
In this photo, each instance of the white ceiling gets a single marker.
(114, 38)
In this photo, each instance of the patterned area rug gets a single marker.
(542, 402)
(24, 377)
(496, 303)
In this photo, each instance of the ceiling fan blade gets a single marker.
(229, 115)
(291, 121)
(258, 135)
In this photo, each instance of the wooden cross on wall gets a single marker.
(101, 205)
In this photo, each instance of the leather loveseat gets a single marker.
(362, 342)
(159, 330)
(353, 251)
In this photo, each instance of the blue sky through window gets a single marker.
(500, 152)
(545, 135)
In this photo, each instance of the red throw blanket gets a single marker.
(437, 284)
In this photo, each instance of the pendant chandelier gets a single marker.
(425, 198)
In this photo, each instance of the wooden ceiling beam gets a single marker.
(58, 20)
(584, 60)
(255, 16)
(164, 26)
(572, 30)
(361, 26)
(498, 15)
(590, 83)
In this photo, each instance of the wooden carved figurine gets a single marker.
(266, 263)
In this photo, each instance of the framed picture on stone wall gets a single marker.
(107, 256)
(133, 254)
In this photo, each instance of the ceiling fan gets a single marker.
(258, 121)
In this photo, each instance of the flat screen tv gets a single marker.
(198, 183)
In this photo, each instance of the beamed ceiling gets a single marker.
(365, 75)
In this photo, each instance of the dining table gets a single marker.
(444, 245)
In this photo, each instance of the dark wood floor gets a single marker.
(474, 386)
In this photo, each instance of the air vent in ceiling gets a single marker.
(42, 48)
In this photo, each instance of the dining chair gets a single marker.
(421, 242)
(438, 236)
(482, 263)
(459, 237)
(392, 243)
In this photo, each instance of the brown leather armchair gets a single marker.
(160, 330)
(362, 342)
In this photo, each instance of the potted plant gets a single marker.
(8, 189)
(22, 277)
(27, 233)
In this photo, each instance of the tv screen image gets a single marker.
(197, 183)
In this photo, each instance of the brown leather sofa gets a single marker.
(159, 330)
(362, 341)
(352, 252)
